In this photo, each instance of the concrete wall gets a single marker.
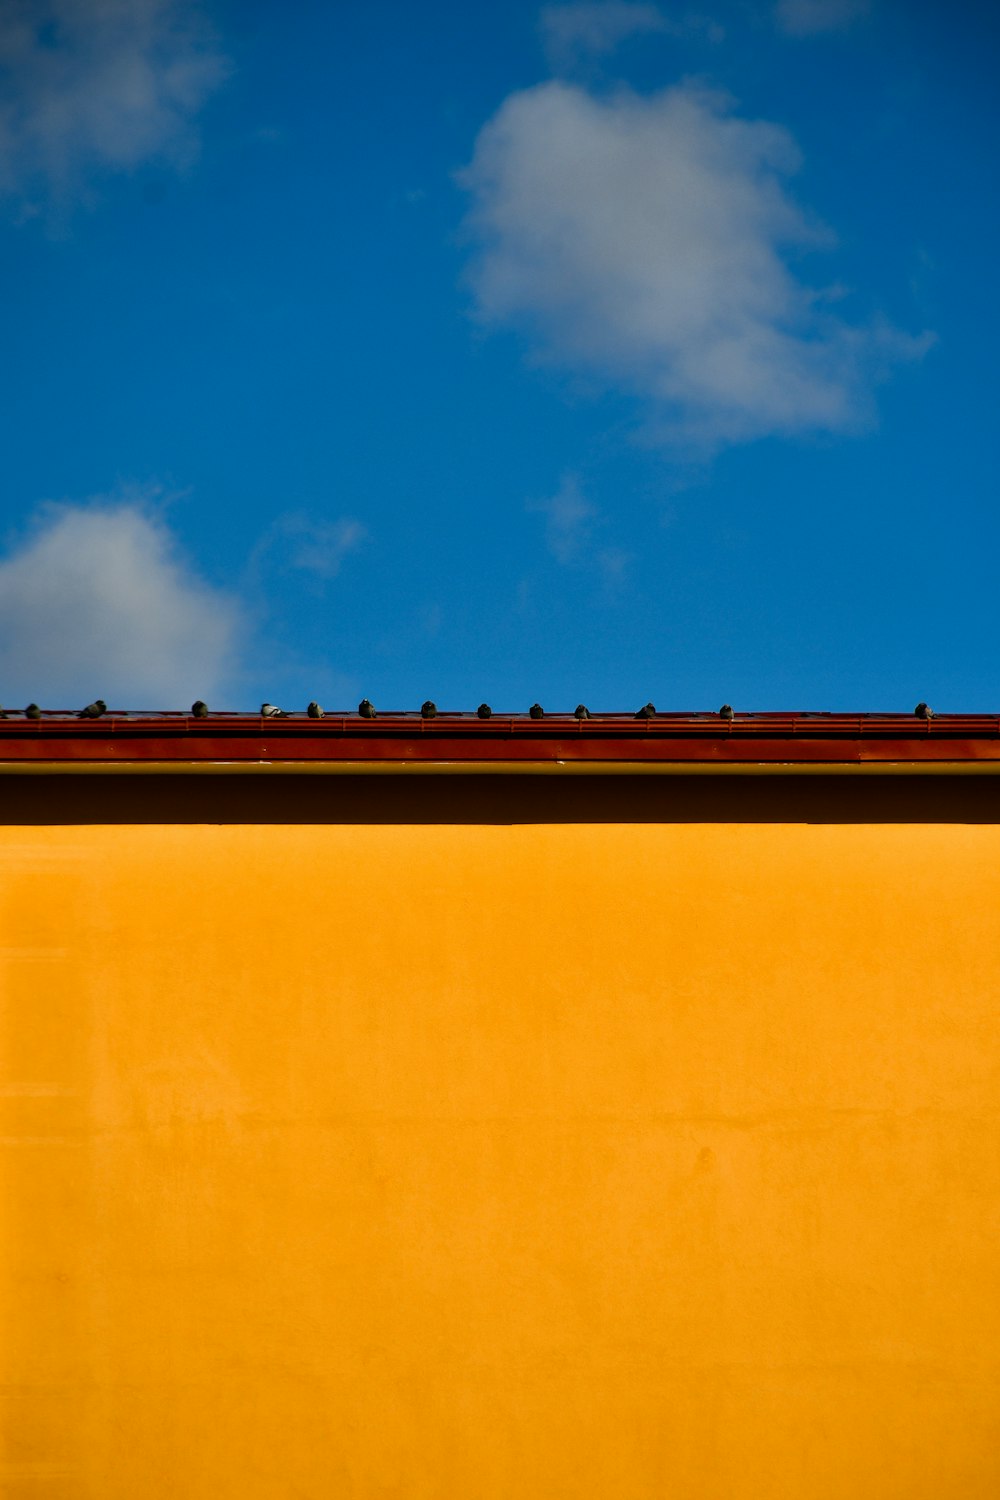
(470, 1159)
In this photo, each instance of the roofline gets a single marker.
(625, 744)
(272, 768)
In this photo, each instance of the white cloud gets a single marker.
(97, 603)
(803, 17)
(91, 85)
(593, 27)
(648, 241)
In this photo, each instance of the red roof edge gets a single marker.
(344, 741)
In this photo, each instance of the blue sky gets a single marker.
(594, 351)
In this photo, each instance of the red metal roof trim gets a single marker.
(63, 739)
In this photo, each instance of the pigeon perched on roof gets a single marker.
(536, 711)
(646, 712)
(314, 711)
(428, 709)
(366, 709)
(484, 711)
(94, 710)
(199, 709)
(271, 711)
(32, 711)
(581, 711)
(924, 711)
(726, 712)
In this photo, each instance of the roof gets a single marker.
(602, 742)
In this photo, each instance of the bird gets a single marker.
(924, 711)
(484, 711)
(536, 711)
(3, 712)
(271, 711)
(199, 709)
(314, 711)
(581, 711)
(725, 712)
(428, 710)
(646, 712)
(32, 711)
(366, 709)
(93, 710)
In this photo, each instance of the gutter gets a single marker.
(406, 744)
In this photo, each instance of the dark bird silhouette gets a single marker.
(725, 712)
(581, 711)
(646, 712)
(924, 711)
(271, 711)
(93, 710)
(428, 710)
(366, 709)
(314, 711)
(32, 711)
(536, 711)
(199, 709)
(484, 711)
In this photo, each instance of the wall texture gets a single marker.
(469, 1160)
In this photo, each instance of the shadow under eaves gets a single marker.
(276, 798)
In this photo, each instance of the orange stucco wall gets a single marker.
(462, 1162)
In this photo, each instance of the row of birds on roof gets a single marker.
(366, 710)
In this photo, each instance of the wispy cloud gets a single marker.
(804, 17)
(569, 520)
(572, 530)
(90, 86)
(649, 241)
(593, 27)
(296, 541)
(96, 601)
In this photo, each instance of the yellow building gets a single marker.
(466, 1109)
